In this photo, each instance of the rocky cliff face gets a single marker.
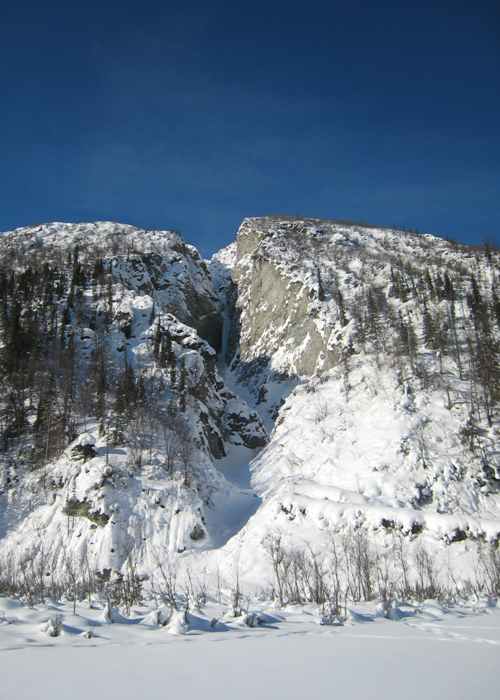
(275, 312)
(178, 281)
(157, 263)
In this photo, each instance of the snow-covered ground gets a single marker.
(427, 650)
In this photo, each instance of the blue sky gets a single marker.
(196, 113)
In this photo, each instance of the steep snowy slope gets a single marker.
(376, 354)
(113, 408)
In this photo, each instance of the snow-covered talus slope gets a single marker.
(105, 513)
(377, 456)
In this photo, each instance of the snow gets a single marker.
(370, 448)
(342, 451)
(86, 439)
(432, 650)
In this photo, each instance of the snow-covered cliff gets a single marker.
(134, 424)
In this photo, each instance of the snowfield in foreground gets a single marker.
(427, 650)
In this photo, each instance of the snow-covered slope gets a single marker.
(118, 370)
(134, 428)
(375, 355)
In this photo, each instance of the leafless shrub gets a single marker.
(195, 588)
(90, 633)
(360, 564)
(402, 565)
(335, 567)
(387, 578)
(170, 446)
(237, 595)
(275, 550)
(489, 567)
(54, 625)
(320, 411)
(294, 462)
(427, 585)
(163, 583)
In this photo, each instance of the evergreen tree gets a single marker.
(101, 386)
(44, 425)
(340, 302)
(182, 385)
(430, 285)
(407, 338)
(166, 351)
(157, 340)
(321, 289)
(125, 399)
(495, 305)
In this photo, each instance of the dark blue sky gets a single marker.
(196, 113)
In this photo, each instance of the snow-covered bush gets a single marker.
(53, 628)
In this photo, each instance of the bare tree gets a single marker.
(164, 581)
(186, 449)
(427, 573)
(275, 550)
(171, 445)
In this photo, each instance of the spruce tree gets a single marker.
(182, 385)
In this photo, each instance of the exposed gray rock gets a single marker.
(197, 533)
(83, 509)
(178, 281)
(272, 310)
